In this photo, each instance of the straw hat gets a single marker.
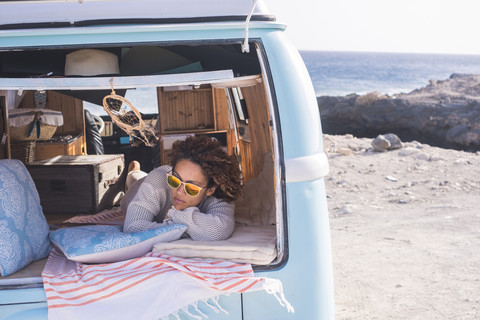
(91, 62)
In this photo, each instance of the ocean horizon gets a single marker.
(339, 73)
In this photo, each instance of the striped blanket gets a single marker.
(150, 287)
(112, 216)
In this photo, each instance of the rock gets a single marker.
(380, 144)
(422, 156)
(457, 133)
(345, 151)
(389, 141)
(346, 209)
(445, 114)
(395, 142)
(461, 161)
(436, 157)
(409, 151)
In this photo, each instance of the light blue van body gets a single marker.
(306, 267)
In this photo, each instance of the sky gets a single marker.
(416, 26)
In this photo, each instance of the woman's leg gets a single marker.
(134, 174)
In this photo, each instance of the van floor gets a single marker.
(33, 270)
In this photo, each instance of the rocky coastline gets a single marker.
(445, 113)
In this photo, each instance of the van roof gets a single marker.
(60, 13)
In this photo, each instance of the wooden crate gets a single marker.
(49, 149)
(75, 184)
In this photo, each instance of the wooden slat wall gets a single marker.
(221, 109)
(248, 168)
(28, 100)
(71, 108)
(222, 121)
(187, 110)
(73, 119)
(260, 131)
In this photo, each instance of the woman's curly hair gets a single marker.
(222, 170)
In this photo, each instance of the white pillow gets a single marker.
(104, 244)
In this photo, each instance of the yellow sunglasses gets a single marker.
(190, 188)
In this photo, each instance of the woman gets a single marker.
(198, 190)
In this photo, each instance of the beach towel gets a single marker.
(153, 286)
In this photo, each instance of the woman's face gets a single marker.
(190, 172)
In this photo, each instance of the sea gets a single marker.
(343, 73)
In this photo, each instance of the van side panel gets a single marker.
(307, 276)
(28, 303)
(30, 311)
(25, 295)
(21, 304)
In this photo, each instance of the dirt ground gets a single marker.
(405, 230)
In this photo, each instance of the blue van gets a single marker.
(222, 68)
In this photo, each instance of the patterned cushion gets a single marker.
(104, 244)
(23, 227)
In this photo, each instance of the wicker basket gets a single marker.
(18, 134)
(33, 124)
(24, 151)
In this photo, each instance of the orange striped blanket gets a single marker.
(150, 287)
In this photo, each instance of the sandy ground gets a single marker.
(405, 231)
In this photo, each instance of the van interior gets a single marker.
(179, 90)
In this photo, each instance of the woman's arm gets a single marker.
(216, 223)
(139, 219)
(150, 200)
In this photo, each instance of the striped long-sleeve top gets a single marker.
(149, 199)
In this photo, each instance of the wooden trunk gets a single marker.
(75, 184)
